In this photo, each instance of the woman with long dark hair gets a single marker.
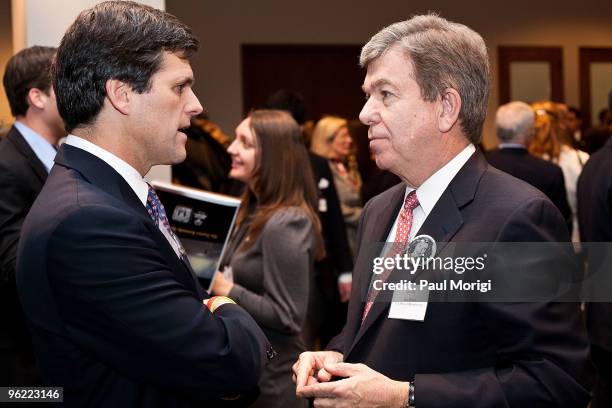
(276, 241)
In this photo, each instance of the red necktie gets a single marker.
(402, 235)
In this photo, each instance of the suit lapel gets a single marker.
(378, 229)
(442, 223)
(99, 173)
(24, 148)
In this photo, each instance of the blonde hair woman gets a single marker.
(331, 139)
(552, 142)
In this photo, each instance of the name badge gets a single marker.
(408, 311)
(322, 205)
(408, 305)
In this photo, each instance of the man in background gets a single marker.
(595, 220)
(116, 312)
(597, 136)
(26, 157)
(514, 125)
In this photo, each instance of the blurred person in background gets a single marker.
(331, 139)
(333, 274)
(598, 135)
(595, 214)
(26, 157)
(573, 122)
(269, 260)
(553, 142)
(207, 164)
(514, 126)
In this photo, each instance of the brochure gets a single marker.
(203, 221)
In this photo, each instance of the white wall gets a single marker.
(223, 25)
(6, 50)
(43, 22)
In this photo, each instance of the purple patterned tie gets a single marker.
(158, 215)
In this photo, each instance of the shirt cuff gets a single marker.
(345, 277)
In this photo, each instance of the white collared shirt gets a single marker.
(41, 147)
(431, 190)
(129, 174)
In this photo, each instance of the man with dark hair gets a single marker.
(115, 310)
(427, 86)
(597, 136)
(595, 220)
(573, 119)
(26, 156)
(290, 101)
(514, 124)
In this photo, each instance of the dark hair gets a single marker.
(603, 114)
(575, 111)
(282, 175)
(290, 101)
(120, 40)
(27, 69)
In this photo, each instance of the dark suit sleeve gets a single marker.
(560, 199)
(13, 210)
(119, 301)
(334, 229)
(338, 343)
(539, 362)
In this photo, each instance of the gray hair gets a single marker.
(514, 121)
(443, 55)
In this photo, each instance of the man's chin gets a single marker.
(381, 163)
(180, 157)
(177, 158)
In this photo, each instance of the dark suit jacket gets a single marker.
(543, 175)
(332, 222)
(472, 354)
(595, 218)
(116, 317)
(326, 315)
(22, 176)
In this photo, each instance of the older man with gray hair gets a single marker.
(514, 125)
(426, 87)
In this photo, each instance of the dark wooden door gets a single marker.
(328, 77)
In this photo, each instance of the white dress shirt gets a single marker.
(431, 190)
(41, 147)
(129, 174)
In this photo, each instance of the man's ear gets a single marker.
(120, 95)
(37, 98)
(450, 106)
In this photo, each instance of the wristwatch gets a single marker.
(410, 403)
